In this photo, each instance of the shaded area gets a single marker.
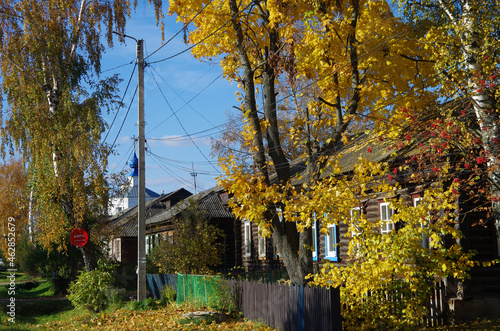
(29, 312)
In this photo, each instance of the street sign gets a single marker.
(79, 237)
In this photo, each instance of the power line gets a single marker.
(124, 94)
(182, 126)
(201, 41)
(174, 113)
(181, 30)
(126, 114)
(186, 103)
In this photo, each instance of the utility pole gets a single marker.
(141, 206)
(141, 218)
(194, 174)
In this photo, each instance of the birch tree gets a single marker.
(53, 98)
(463, 36)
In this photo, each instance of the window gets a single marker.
(425, 241)
(248, 239)
(331, 248)
(385, 215)
(355, 228)
(314, 239)
(262, 245)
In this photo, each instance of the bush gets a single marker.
(168, 295)
(91, 290)
(224, 298)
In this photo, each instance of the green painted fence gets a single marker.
(195, 288)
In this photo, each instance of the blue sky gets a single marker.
(194, 90)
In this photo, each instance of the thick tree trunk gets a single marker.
(294, 248)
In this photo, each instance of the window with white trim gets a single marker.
(355, 228)
(262, 244)
(314, 239)
(331, 247)
(425, 240)
(385, 216)
(248, 239)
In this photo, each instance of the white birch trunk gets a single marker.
(483, 104)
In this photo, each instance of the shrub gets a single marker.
(168, 295)
(223, 297)
(90, 291)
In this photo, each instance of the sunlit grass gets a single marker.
(33, 289)
(164, 318)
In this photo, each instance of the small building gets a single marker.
(122, 227)
(129, 196)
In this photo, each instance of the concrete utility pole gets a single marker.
(141, 218)
(141, 206)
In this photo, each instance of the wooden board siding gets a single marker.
(254, 262)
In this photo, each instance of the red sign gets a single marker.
(79, 237)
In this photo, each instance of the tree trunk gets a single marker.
(90, 256)
(483, 103)
(294, 248)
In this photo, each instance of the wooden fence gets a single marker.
(289, 307)
(437, 307)
(282, 306)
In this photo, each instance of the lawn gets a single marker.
(19, 277)
(30, 289)
(60, 315)
(38, 309)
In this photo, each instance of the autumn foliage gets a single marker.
(14, 202)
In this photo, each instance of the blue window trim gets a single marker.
(315, 237)
(336, 257)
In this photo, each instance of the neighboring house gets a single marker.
(213, 202)
(129, 196)
(122, 227)
(160, 214)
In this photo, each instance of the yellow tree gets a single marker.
(53, 98)
(341, 63)
(14, 201)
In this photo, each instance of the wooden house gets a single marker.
(475, 297)
(122, 227)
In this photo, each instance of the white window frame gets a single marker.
(314, 238)
(262, 244)
(331, 244)
(355, 230)
(387, 225)
(425, 241)
(248, 238)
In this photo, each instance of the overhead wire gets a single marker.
(124, 118)
(181, 125)
(174, 113)
(187, 103)
(207, 37)
(123, 97)
(181, 30)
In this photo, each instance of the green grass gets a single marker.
(38, 312)
(28, 290)
(19, 277)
